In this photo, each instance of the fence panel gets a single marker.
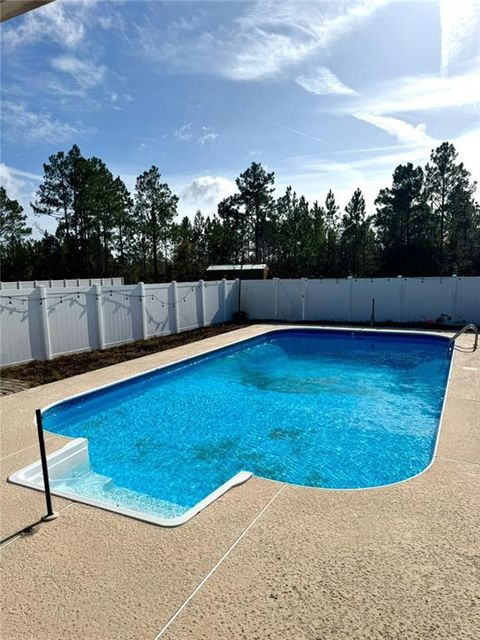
(258, 298)
(289, 300)
(71, 318)
(156, 309)
(328, 300)
(213, 294)
(467, 301)
(75, 282)
(121, 314)
(188, 305)
(231, 299)
(384, 294)
(426, 299)
(20, 339)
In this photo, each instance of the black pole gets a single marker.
(242, 257)
(372, 317)
(46, 482)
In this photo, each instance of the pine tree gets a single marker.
(12, 220)
(256, 188)
(331, 214)
(352, 240)
(156, 207)
(404, 224)
(450, 193)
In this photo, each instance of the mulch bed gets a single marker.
(32, 374)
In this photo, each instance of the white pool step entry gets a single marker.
(71, 477)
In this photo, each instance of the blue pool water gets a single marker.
(334, 409)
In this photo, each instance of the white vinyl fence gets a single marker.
(41, 323)
(450, 300)
(70, 282)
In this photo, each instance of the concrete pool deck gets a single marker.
(266, 560)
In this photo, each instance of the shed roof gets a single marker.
(235, 267)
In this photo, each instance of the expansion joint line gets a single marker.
(224, 557)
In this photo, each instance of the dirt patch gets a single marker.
(40, 372)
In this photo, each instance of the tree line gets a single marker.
(427, 222)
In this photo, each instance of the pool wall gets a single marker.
(73, 456)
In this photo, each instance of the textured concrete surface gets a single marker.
(266, 560)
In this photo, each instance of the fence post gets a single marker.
(453, 311)
(44, 326)
(201, 293)
(276, 285)
(143, 311)
(223, 299)
(174, 319)
(303, 286)
(99, 315)
(401, 298)
(350, 294)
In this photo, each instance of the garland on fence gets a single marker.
(105, 295)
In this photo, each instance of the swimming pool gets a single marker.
(336, 409)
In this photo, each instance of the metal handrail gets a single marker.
(467, 327)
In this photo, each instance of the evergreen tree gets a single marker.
(450, 193)
(331, 220)
(404, 224)
(256, 188)
(12, 220)
(354, 229)
(319, 240)
(156, 207)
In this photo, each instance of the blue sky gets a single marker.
(328, 94)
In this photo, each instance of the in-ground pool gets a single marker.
(337, 409)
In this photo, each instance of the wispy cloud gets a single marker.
(60, 22)
(207, 135)
(460, 29)
(190, 133)
(86, 73)
(303, 134)
(185, 132)
(403, 131)
(267, 40)
(26, 127)
(324, 82)
(420, 93)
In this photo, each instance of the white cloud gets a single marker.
(25, 127)
(185, 132)
(207, 191)
(269, 39)
(324, 82)
(460, 30)
(403, 131)
(21, 186)
(189, 132)
(207, 135)
(313, 176)
(86, 73)
(420, 93)
(55, 22)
